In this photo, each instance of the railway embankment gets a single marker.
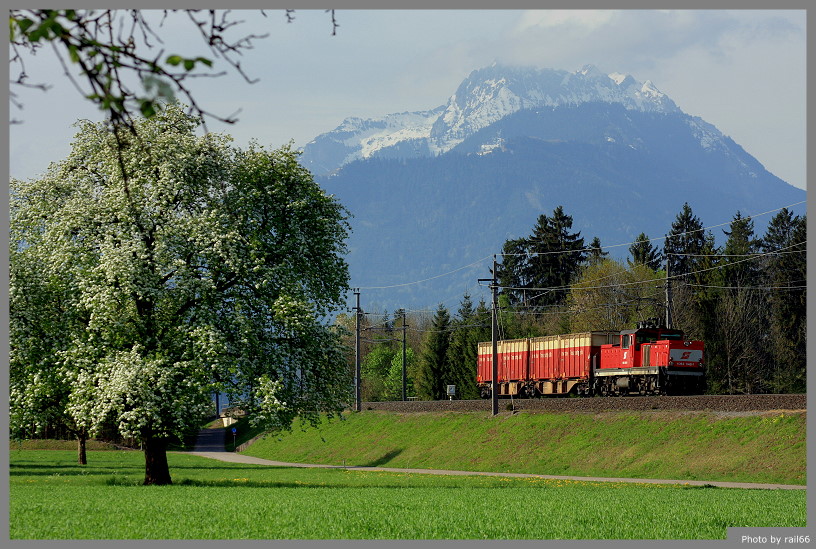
(693, 403)
(759, 440)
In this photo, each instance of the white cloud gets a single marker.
(743, 71)
(547, 19)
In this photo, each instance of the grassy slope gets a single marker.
(757, 448)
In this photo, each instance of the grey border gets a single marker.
(734, 534)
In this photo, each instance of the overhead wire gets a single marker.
(673, 277)
(650, 240)
(423, 280)
(570, 251)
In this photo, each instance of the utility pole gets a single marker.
(404, 361)
(357, 402)
(668, 295)
(494, 331)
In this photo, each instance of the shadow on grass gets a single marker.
(386, 458)
(36, 470)
(248, 483)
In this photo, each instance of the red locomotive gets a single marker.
(649, 360)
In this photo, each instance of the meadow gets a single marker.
(51, 497)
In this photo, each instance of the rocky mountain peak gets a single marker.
(486, 96)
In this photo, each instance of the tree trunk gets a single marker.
(156, 469)
(82, 457)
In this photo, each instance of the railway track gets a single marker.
(700, 403)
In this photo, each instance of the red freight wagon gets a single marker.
(513, 362)
(649, 360)
(558, 363)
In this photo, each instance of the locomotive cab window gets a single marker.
(672, 334)
(625, 341)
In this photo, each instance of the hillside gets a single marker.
(766, 447)
(420, 217)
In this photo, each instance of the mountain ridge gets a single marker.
(617, 168)
(486, 96)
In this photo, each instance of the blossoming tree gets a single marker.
(190, 266)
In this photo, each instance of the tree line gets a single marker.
(745, 299)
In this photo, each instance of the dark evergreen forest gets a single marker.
(745, 298)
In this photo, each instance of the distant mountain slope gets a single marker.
(618, 167)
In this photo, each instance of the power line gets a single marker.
(570, 251)
(652, 239)
(425, 279)
(765, 288)
(755, 254)
(672, 277)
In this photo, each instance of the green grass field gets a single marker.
(767, 448)
(53, 498)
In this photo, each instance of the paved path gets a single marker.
(210, 440)
(210, 444)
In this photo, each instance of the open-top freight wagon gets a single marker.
(648, 360)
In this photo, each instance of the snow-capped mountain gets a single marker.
(358, 138)
(486, 96)
(439, 191)
(490, 94)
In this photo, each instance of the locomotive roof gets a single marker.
(658, 330)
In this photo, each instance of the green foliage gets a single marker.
(643, 253)
(737, 269)
(433, 366)
(684, 243)
(392, 384)
(378, 362)
(786, 270)
(596, 253)
(536, 270)
(374, 369)
(190, 266)
(609, 296)
(468, 328)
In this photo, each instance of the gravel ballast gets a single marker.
(699, 403)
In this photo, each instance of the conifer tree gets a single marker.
(432, 372)
(784, 273)
(643, 253)
(511, 272)
(596, 253)
(462, 351)
(739, 269)
(684, 243)
(735, 334)
(537, 270)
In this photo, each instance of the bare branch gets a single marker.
(105, 45)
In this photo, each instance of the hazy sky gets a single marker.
(743, 71)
